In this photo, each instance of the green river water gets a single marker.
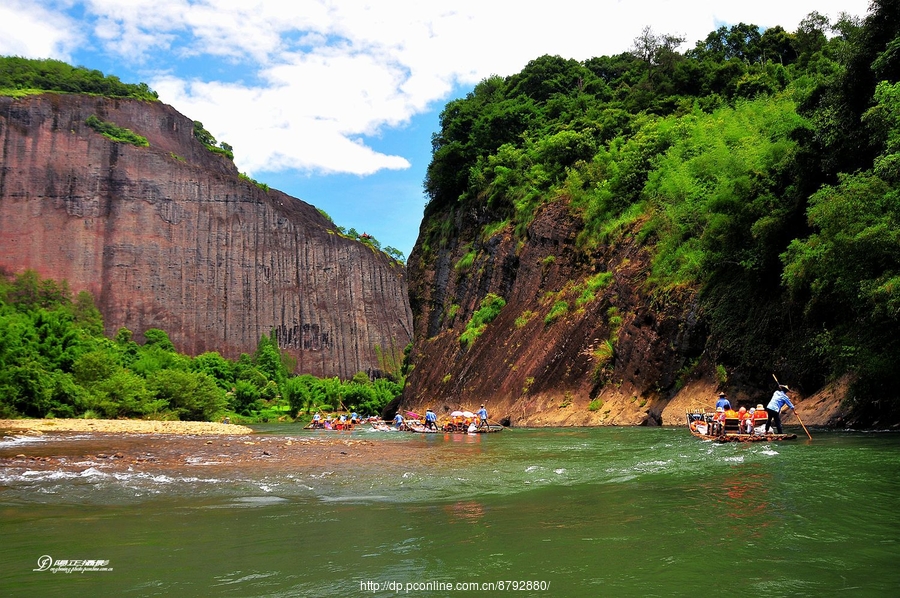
(559, 512)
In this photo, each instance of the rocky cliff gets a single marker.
(169, 236)
(578, 343)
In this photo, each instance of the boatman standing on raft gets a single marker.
(773, 409)
(482, 415)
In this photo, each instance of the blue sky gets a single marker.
(335, 101)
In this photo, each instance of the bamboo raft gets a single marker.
(418, 429)
(700, 423)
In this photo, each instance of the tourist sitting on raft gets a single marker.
(749, 421)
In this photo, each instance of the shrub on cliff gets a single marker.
(116, 133)
(210, 143)
(485, 314)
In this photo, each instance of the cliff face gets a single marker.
(614, 357)
(168, 236)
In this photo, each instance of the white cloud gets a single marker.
(30, 30)
(328, 72)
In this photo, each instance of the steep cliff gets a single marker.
(169, 236)
(615, 239)
(533, 368)
(615, 355)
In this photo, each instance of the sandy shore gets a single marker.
(124, 426)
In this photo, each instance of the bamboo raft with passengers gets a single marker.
(743, 425)
(456, 422)
(708, 425)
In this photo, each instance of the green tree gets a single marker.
(154, 337)
(297, 392)
(124, 395)
(86, 314)
(268, 360)
(216, 366)
(245, 398)
(190, 395)
(25, 389)
(95, 366)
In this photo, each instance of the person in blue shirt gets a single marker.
(398, 421)
(773, 409)
(430, 419)
(723, 402)
(482, 416)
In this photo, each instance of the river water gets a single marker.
(558, 512)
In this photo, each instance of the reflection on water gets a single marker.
(468, 512)
(624, 512)
(742, 501)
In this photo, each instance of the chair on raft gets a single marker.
(732, 425)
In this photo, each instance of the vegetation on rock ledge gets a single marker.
(21, 76)
(115, 133)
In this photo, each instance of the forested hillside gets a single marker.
(759, 169)
(56, 362)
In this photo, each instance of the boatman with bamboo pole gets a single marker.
(483, 416)
(773, 409)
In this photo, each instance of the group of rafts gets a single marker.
(732, 426)
(340, 421)
(456, 422)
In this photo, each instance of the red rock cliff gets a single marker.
(168, 236)
(614, 356)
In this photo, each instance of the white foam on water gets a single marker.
(255, 501)
(93, 472)
(358, 499)
(40, 476)
(20, 440)
(651, 466)
(250, 577)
